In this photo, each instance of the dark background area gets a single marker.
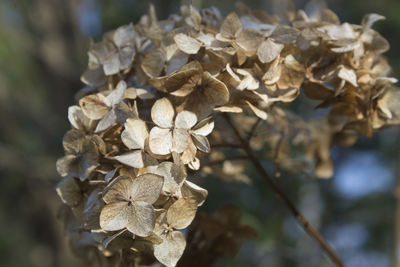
(43, 45)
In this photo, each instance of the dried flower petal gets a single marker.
(187, 44)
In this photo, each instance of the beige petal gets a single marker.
(173, 174)
(94, 106)
(369, 19)
(180, 141)
(135, 134)
(171, 249)
(109, 120)
(120, 189)
(189, 154)
(249, 39)
(204, 127)
(187, 44)
(194, 164)
(126, 55)
(248, 82)
(141, 219)
(117, 94)
(260, 113)
(348, 75)
(231, 109)
(144, 93)
(162, 113)
(269, 50)
(130, 93)
(79, 120)
(160, 141)
(230, 27)
(284, 34)
(181, 214)
(115, 216)
(185, 119)
(346, 47)
(147, 188)
(193, 191)
(184, 80)
(111, 65)
(124, 35)
(133, 159)
(201, 143)
(153, 63)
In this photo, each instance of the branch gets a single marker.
(253, 129)
(282, 196)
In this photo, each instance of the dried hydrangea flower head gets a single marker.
(158, 91)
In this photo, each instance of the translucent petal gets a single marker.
(135, 134)
(142, 219)
(187, 44)
(193, 191)
(269, 50)
(204, 127)
(147, 188)
(181, 214)
(133, 159)
(117, 94)
(94, 106)
(185, 119)
(115, 216)
(171, 249)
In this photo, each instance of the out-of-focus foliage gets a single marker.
(42, 53)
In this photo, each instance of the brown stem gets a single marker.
(253, 129)
(282, 196)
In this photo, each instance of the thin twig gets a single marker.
(253, 129)
(282, 196)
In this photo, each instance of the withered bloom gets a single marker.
(158, 89)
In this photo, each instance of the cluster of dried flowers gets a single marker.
(146, 119)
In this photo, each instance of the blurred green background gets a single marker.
(43, 45)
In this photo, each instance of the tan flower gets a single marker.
(128, 204)
(175, 133)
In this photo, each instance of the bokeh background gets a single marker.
(43, 46)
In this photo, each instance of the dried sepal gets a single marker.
(171, 249)
(128, 204)
(187, 44)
